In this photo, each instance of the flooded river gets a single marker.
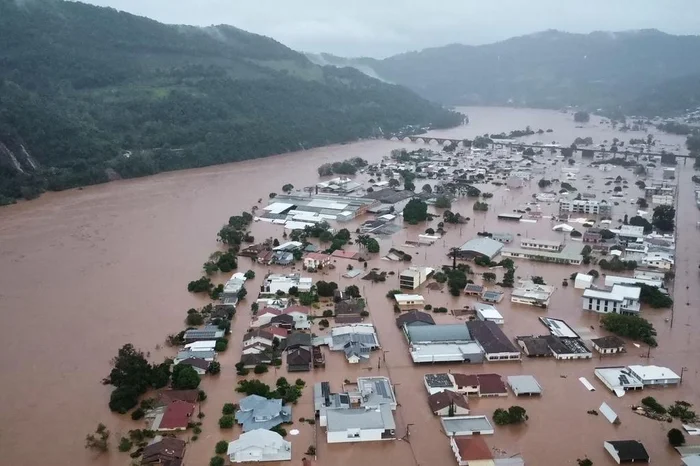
(83, 272)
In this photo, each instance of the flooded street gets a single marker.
(84, 272)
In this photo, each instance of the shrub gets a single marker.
(328, 313)
(125, 444)
(226, 421)
(229, 408)
(221, 447)
(653, 405)
(427, 307)
(260, 369)
(311, 451)
(217, 461)
(137, 414)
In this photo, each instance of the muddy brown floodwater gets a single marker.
(83, 272)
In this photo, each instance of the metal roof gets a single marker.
(458, 424)
(438, 333)
(340, 420)
(483, 245)
(524, 384)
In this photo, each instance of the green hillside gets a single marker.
(81, 86)
(552, 69)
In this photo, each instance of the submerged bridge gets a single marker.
(496, 144)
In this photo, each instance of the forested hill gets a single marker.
(627, 71)
(88, 94)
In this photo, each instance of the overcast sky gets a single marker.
(380, 28)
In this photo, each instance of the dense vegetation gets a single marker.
(93, 94)
(634, 327)
(546, 69)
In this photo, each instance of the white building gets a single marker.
(360, 424)
(654, 375)
(532, 294)
(611, 280)
(620, 299)
(280, 282)
(409, 299)
(540, 244)
(584, 206)
(658, 260)
(630, 232)
(259, 445)
(316, 260)
(583, 281)
(413, 277)
(662, 199)
(489, 313)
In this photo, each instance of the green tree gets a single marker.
(250, 274)
(427, 188)
(326, 289)
(630, 326)
(214, 368)
(353, 291)
(125, 444)
(582, 117)
(217, 461)
(288, 188)
(226, 421)
(409, 186)
(393, 183)
(221, 447)
(373, 246)
(443, 202)
(185, 377)
(489, 276)
(229, 408)
(664, 218)
(415, 211)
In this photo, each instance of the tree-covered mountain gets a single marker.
(89, 93)
(553, 69)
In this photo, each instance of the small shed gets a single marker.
(583, 281)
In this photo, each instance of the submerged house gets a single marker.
(256, 412)
(259, 445)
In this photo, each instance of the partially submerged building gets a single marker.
(357, 341)
(275, 282)
(256, 412)
(532, 294)
(361, 416)
(626, 451)
(620, 299)
(494, 343)
(414, 276)
(442, 343)
(259, 445)
(480, 246)
(569, 254)
(622, 378)
(585, 206)
(524, 385)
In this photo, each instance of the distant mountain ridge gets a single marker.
(614, 71)
(89, 94)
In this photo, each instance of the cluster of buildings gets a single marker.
(471, 342)
(561, 343)
(361, 412)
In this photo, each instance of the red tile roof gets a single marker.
(491, 384)
(317, 256)
(278, 331)
(168, 396)
(438, 401)
(268, 310)
(466, 380)
(472, 448)
(177, 415)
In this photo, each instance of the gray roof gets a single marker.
(256, 412)
(526, 384)
(353, 348)
(482, 245)
(438, 333)
(491, 337)
(438, 380)
(389, 195)
(339, 341)
(375, 391)
(459, 424)
(340, 420)
(209, 332)
(195, 354)
(413, 317)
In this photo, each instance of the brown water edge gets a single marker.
(84, 272)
